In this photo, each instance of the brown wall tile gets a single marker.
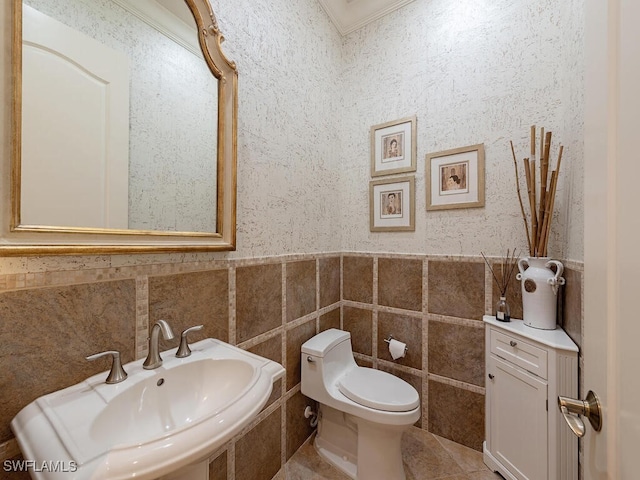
(400, 283)
(90, 321)
(456, 414)
(404, 329)
(190, 299)
(218, 467)
(329, 281)
(456, 289)
(295, 338)
(301, 289)
(359, 323)
(258, 300)
(457, 351)
(258, 452)
(46, 334)
(330, 320)
(271, 349)
(358, 279)
(276, 393)
(298, 427)
(514, 293)
(570, 315)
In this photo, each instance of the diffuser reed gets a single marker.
(507, 267)
(542, 213)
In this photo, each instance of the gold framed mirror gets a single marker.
(133, 153)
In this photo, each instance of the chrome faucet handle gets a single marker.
(117, 373)
(183, 349)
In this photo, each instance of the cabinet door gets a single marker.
(518, 425)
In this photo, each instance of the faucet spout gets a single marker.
(153, 359)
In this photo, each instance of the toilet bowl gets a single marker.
(362, 412)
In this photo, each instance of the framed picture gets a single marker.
(393, 147)
(455, 178)
(392, 205)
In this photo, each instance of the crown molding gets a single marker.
(351, 15)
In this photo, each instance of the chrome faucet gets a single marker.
(184, 350)
(153, 359)
(117, 373)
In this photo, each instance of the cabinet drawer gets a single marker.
(519, 352)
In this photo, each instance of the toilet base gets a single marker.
(361, 449)
(336, 458)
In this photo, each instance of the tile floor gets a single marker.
(426, 457)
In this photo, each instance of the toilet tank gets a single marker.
(325, 358)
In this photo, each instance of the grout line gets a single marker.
(456, 321)
(457, 383)
(424, 394)
(141, 346)
(233, 326)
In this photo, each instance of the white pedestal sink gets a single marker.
(157, 423)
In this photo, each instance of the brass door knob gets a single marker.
(572, 408)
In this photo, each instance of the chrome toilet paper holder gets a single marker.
(388, 340)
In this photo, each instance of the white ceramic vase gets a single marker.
(539, 291)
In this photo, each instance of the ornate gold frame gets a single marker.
(18, 239)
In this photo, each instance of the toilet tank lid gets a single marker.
(324, 341)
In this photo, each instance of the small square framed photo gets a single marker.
(455, 178)
(393, 147)
(392, 205)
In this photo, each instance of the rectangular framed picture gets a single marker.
(393, 147)
(455, 178)
(392, 205)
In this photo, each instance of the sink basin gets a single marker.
(186, 394)
(152, 424)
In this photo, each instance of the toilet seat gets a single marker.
(378, 390)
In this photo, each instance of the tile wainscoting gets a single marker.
(270, 306)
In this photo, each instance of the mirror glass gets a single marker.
(119, 119)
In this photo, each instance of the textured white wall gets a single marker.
(473, 72)
(288, 57)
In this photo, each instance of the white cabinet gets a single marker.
(525, 434)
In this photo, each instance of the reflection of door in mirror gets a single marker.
(172, 146)
(75, 127)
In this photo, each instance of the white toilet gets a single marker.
(363, 412)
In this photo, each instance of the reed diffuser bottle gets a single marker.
(503, 312)
(502, 276)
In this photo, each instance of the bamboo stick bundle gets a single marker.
(524, 217)
(532, 207)
(553, 199)
(534, 213)
(547, 215)
(544, 173)
(532, 193)
(540, 215)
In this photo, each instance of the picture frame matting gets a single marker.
(393, 147)
(455, 178)
(392, 205)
